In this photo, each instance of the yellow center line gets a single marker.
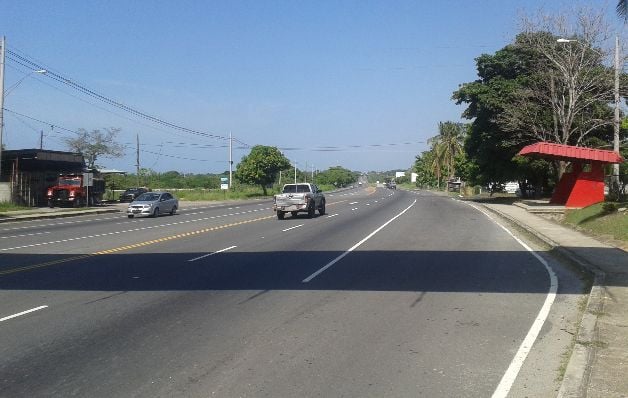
(132, 246)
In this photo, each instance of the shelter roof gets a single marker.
(550, 150)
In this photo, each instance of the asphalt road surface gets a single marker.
(390, 294)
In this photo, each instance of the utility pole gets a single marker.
(41, 140)
(615, 180)
(230, 158)
(2, 47)
(305, 172)
(137, 158)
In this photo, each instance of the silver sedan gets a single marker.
(152, 204)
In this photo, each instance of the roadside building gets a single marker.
(27, 173)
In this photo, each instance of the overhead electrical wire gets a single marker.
(103, 108)
(26, 62)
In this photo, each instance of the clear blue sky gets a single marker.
(370, 78)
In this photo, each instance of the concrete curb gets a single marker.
(577, 373)
(35, 216)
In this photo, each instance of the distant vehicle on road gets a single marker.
(152, 204)
(130, 194)
(297, 198)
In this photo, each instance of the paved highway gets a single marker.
(390, 294)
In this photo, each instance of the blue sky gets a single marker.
(371, 79)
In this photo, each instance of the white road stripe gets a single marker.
(296, 226)
(352, 203)
(369, 236)
(332, 215)
(211, 254)
(116, 232)
(6, 318)
(509, 377)
(23, 235)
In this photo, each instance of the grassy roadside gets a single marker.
(607, 221)
(6, 206)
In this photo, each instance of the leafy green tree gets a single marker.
(261, 166)
(338, 176)
(533, 90)
(95, 144)
(423, 169)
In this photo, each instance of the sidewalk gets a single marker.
(598, 366)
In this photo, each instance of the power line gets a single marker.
(43, 122)
(100, 107)
(26, 62)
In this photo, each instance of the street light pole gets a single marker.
(3, 94)
(616, 121)
(2, 46)
(230, 159)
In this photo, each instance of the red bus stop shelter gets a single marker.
(583, 184)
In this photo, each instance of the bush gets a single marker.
(609, 207)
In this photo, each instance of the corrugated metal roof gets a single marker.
(568, 152)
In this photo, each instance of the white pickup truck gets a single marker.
(302, 197)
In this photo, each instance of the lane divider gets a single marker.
(6, 318)
(211, 254)
(179, 236)
(134, 246)
(46, 264)
(369, 236)
(129, 247)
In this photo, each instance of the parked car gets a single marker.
(130, 194)
(152, 204)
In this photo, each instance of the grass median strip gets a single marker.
(132, 246)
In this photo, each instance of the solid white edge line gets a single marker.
(23, 313)
(505, 384)
(340, 257)
(211, 254)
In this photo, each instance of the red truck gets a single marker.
(76, 190)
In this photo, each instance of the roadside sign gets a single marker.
(88, 179)
(224, 183)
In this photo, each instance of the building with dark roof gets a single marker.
(27, 173)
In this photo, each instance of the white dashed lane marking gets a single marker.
(121, 232)
(6, 318)
(296, 226)
(211, 254)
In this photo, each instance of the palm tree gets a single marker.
(437, 158)
(622, 9)
(451, 138)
